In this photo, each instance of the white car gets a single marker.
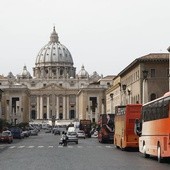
(81, 134)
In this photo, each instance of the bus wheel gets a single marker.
(144, 152)
(160, 160)
(121, 147)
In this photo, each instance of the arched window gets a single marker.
(153, 96)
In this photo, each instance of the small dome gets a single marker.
(83, 73)
(25, 74)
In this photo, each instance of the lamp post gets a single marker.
(111, 103)
(0, 103)
(103, 109)
(145, 87)
(169, 66)
(124, 93)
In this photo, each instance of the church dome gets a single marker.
(53, 53)
(83, 73)
(54, 60)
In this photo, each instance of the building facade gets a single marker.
(143, 80)
(55, 91)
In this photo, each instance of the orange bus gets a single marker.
(125, 117)
(154, 128)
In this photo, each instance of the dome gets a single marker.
(54, 61)
(25, 74)
(53, 53)
(83, 73)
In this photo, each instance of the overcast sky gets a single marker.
(103, 35)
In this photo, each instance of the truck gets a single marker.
(106, 128)
(85, 125)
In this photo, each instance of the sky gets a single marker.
(103, 35)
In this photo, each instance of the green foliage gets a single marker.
(3, 124)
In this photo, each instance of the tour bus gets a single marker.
(125, 116)
(153, 128)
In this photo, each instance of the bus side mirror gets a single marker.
(138, 127)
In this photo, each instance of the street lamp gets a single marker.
(111, 103)
(0, 103)
(169, 65)
(145, 88)
(145, 74)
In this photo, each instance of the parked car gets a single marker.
(81, 134)
(34, 132)
(48, 130)
(6, 136)
(17, 132)
(72, 137)
(57, 132)
(26, 133)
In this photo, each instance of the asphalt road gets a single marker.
(43, 152)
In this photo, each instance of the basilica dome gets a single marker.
(53, 52)
(54, 60)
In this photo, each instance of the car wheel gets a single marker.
(77, 142)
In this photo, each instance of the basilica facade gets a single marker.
(55, 91)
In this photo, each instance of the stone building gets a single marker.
(55, 91)
(143, 80)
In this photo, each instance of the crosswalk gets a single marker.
(52, 146)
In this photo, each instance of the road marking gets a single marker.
(70, 146)
(11, 147)
(79, 146)
(30, 146)
(21, 146)
(99, 146)
(40, 146)
(59, 146)
(50, 146)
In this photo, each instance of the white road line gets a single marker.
(99, 146)
(40, 146)
(50, 146)
(60, 146)
(30, 146)
(11, 147)
(70, 146)
(21, 146)
(79, 146)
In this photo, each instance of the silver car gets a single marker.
(81, 134)
(72, 137)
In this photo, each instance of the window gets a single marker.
(153, 96)
(152, 72)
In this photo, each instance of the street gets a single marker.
(43, 152)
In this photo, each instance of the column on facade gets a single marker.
(38, 107)
(57, 107)
(96, 114)
(68, 109)
(48, 107)
(0, 109)
(64, 107)
(41, 107)
(77, 107)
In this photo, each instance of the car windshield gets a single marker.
(71, 133)
(4, 133)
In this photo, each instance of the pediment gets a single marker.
(54, 87)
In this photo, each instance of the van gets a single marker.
(71, 129)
